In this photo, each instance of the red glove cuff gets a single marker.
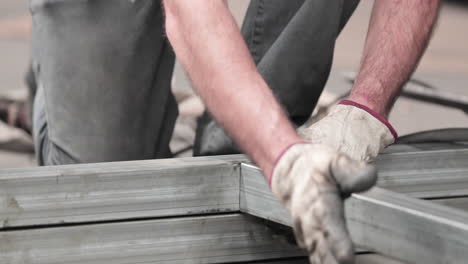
(374, 114)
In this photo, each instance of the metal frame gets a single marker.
(393, 224)
(202, 239)
(116, 191)
(150, 211)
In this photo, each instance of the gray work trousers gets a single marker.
(103, 70)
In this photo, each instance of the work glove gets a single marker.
(311, 181)
(353, 129)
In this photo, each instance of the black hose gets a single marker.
(437, 135)
(181, 151)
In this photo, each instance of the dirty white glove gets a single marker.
(353, 129)
(311, 181)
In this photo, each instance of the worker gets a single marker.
(309, 178)
(103, 71)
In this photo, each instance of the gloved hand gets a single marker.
(311, 181)
(353, 129)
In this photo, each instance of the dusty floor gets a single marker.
(444, 66)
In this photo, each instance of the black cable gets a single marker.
(180, 151)
(436, 135)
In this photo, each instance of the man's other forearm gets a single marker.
(399, 31)
(209, 45)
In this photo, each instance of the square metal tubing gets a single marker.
(154, 211)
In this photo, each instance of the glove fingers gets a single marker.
(299, 233)
(351, 175)
(335, 231)
(320, 252)
(306, 226)
(322, 230)
(322, 257)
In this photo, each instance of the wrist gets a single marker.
(372, 93)
(277, 148)
(369, 103)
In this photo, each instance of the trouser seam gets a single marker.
(258, 30)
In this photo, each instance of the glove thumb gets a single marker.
(353, 176)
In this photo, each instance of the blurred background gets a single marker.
(444, 67)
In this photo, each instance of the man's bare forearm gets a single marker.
(209, 45)
(399, 31)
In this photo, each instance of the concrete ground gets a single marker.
(14, 56)
(445, 66)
